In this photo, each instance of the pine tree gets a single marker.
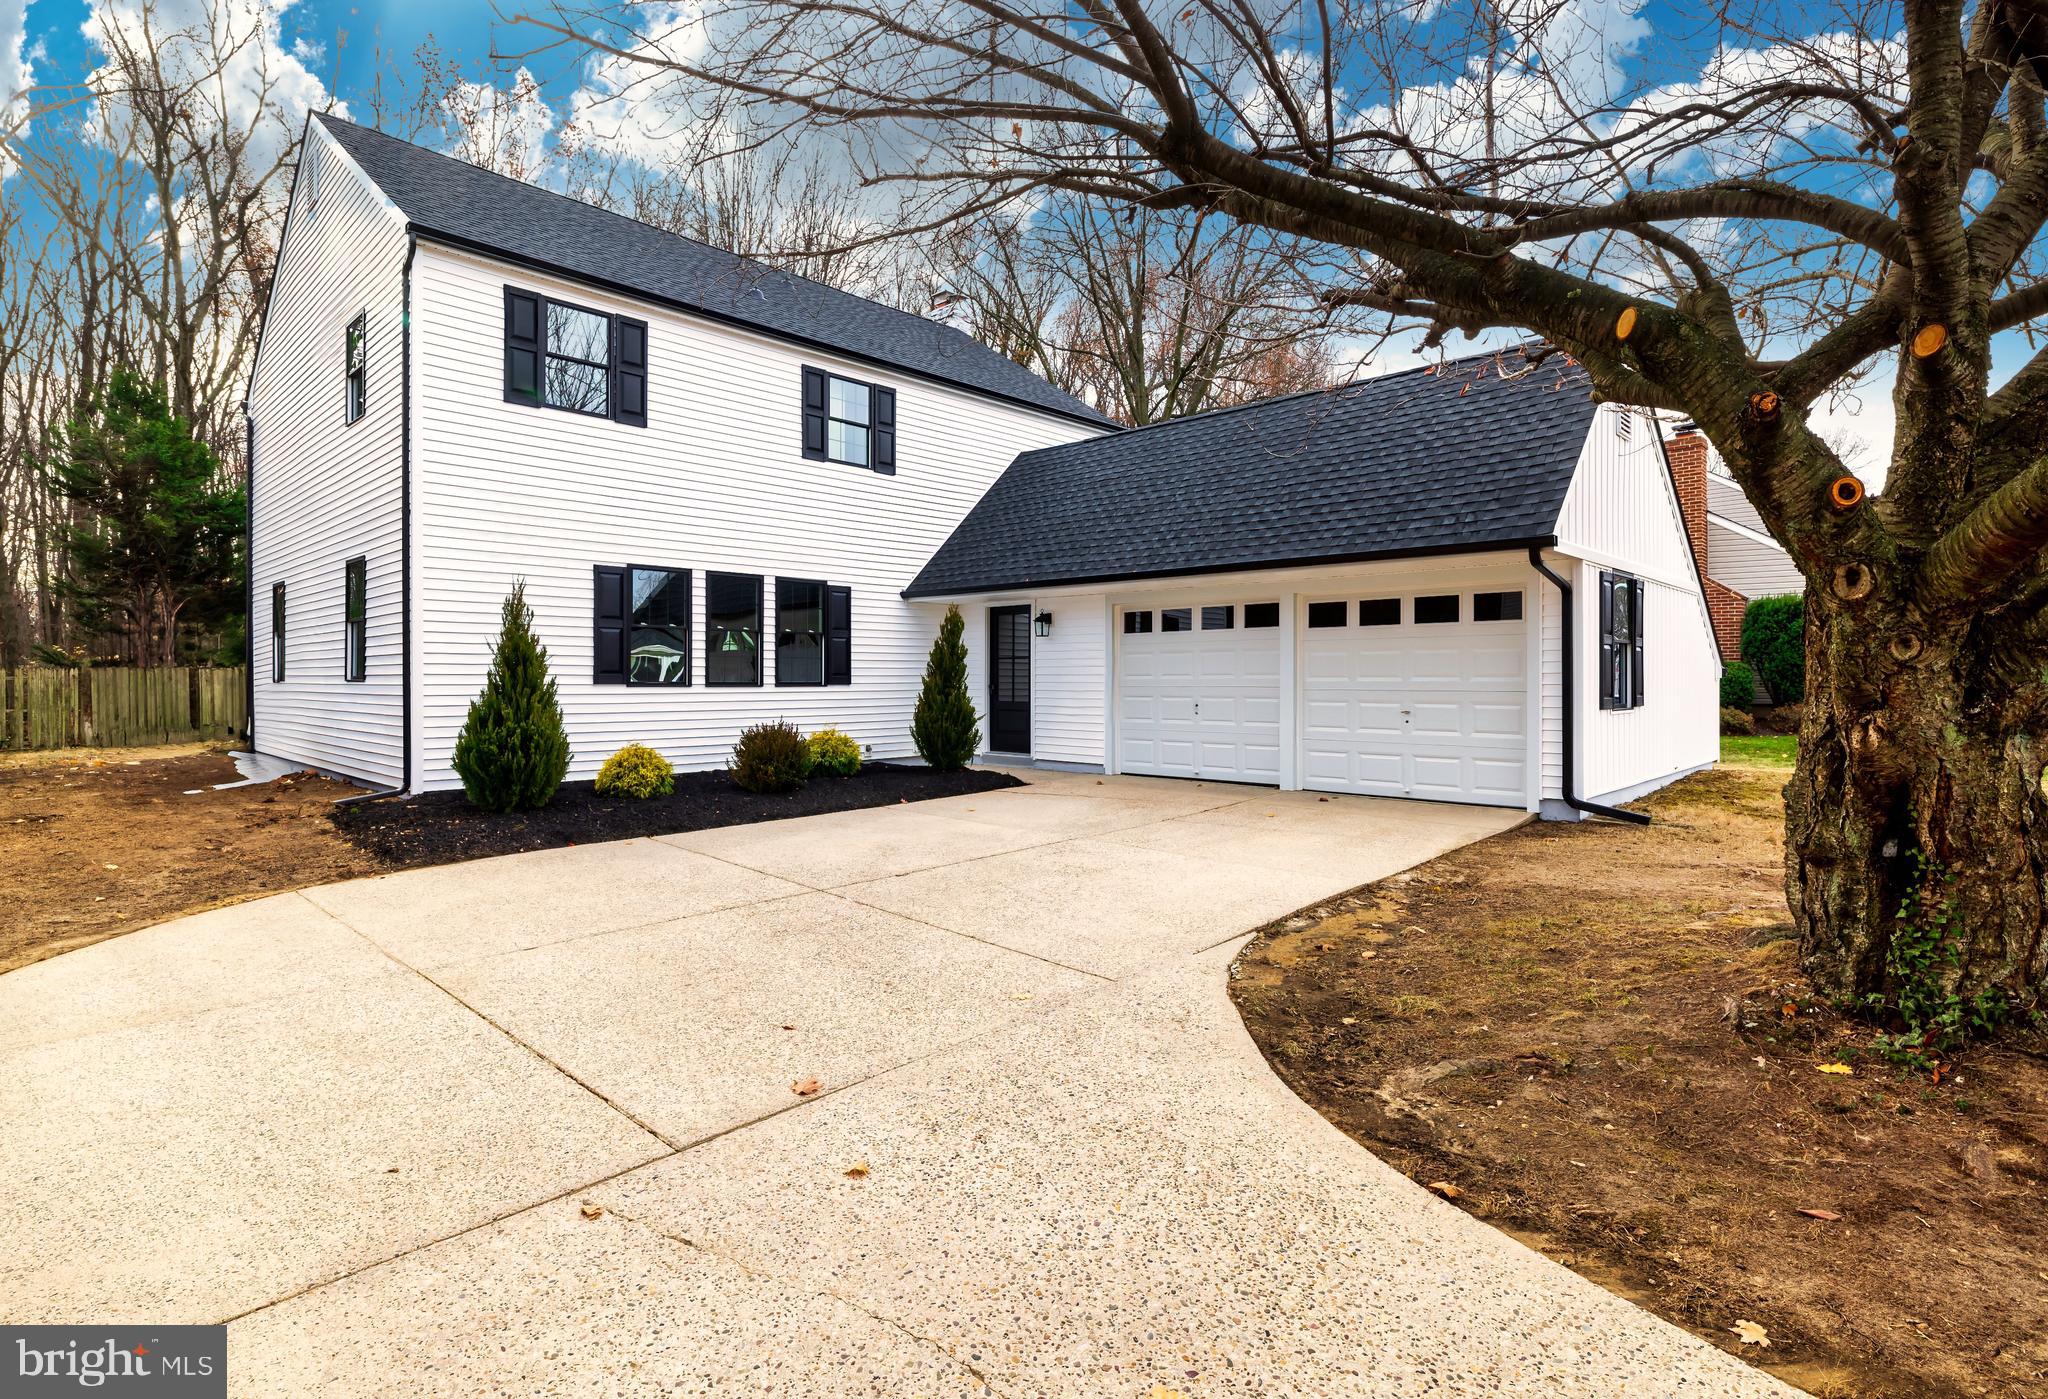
(513, 751)
(944, 727)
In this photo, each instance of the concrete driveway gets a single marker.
(527, 1125)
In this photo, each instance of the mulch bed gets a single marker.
(1598, 1039)
(436, 828)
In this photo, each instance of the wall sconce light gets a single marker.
(1043, 623)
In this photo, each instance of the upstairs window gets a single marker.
(354, 357)
(1621, 641)
(355, 619)
(558, 355)
(848, 421)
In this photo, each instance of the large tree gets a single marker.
(1730, 218)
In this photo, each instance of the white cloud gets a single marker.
(16, 72)
(501, 129)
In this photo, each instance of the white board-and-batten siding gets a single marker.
(1622, 513)
(323, 490)
(716, 482)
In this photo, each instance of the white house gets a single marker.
(1735, 552)
(737, 495)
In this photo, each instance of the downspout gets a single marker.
(412, 244)
(1570, 668)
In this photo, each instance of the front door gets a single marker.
(1009, 679)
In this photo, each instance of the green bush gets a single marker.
(834, 752)
(1774, 644)
(1738, 686)
(513, 751)
(944, 727)
(636, 771)
(1737, 721)
(771, 758)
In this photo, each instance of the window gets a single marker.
(732, 629)
(1496, 607)
(355, 629)
(1176, 619)
(799, 632)
(1380, 612)
(1327, 614)
(1440, 607)
(848, 421)
(658, 639)
(276, 632)
(1136, 623)
(354, 354)
(1218, 618)
(563, 356)
(1262, 614)
(1621, 641)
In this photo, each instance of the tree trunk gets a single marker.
(1925, 736)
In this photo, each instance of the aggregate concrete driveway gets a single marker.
(369, 1124)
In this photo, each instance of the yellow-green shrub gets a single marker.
(636, 771)
(834, 752)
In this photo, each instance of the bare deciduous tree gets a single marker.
(1863, 193)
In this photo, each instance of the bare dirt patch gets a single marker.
(1598, 1036)
(96, 842)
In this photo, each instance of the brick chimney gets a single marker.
(1687, 454)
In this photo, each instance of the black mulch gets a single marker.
(438, 828)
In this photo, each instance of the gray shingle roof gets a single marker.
(462, 203)
(1475, 454)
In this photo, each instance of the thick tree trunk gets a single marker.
(1920, 736)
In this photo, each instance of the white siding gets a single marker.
(1550, 668)
(324, 491)
(1744, 557)
(716, 481)
(1622, 513)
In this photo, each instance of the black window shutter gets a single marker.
(522, 347)
(1607, 581)
(629, 373)
(1635, 633)
(839, 636)
(814, 414)
(608, 622)
(884, 417)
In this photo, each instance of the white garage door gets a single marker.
(1417, 696)
(1198, 691)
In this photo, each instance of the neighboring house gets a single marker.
(736, 495)
(1735, 552)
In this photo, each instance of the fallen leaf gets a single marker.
(1761, 1062)
(805, 1087)
(1829, 1215)
(857, 1172)
(591, 1211)
(1751, 1333)
(1444, 1188)
(1836, 1069)
(1350, 1020)
(112, 867)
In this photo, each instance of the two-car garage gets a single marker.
(1412, 694)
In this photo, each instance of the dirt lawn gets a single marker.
(1597, 1037)
(95, 842)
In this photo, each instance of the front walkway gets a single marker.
(528, 1125)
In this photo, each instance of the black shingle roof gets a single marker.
(1476, 454)
(461, 203)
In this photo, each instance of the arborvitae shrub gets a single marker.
(944, 726)
(513, 751)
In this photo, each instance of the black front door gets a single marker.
(1009, 679)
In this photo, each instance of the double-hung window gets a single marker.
(732, 629)
(799, 632)
(355, 619)
(640, 625)
(559, 355)
(276, 633)
(1621, 641)
(355, 368)
(847, 420)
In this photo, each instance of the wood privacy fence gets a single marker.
(119, 707)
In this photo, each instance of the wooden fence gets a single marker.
(121, 707)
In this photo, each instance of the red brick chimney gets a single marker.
(1687, 454)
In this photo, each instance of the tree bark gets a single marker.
(1920, 734)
